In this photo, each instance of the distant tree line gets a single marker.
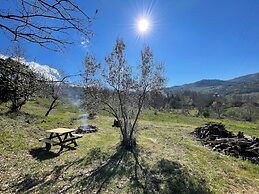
(18, 84)
(240, 107)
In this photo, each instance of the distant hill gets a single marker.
(240, 85)
(246, 78)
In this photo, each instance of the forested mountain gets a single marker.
(240, 85)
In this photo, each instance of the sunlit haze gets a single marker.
(143, 25)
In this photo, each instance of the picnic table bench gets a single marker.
(62, 137)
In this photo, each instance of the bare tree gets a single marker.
(202, 102)
(218, 105)
(249, 107)
(17, 52)
(47, 23)
(53, 90)
(186, 102)
(156, 100)
(119, 90)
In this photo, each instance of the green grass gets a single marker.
(166, 150)
(249, 128)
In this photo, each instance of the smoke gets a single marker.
(84, 121)
(74, 94)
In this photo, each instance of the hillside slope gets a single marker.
(240, 85)
(171, 160)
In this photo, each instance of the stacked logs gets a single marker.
(215, 136)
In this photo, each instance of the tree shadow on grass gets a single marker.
(124, 171)
(36, 183)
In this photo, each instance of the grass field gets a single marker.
(168, 159)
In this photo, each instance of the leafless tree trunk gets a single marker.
(52, 105)
(218, 107)
(250, 108)
(53, 89)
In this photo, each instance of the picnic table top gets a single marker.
(60, 130)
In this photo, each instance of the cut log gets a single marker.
(215, 136)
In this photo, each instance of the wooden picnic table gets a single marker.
(62, 137)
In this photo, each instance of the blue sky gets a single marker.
(195, 39)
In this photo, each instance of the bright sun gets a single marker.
(143, 25)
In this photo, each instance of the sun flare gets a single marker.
(143, 25)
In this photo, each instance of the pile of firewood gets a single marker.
(215, 136)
